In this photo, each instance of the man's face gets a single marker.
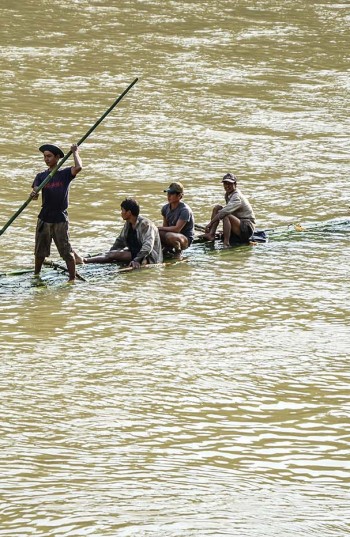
(50, 159)
(229, 187)
(173, 196)
(125, 214)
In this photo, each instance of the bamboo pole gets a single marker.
(59, 164)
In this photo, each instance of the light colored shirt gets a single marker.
(238, 205)
(148, 236)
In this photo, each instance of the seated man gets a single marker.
(177, 231)
(237, 216)
(138, 243)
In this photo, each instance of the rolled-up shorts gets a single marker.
(247, 229)
(46, 233)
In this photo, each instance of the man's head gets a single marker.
(130, 204)
(229, 178)
(52, 154)
(229, 182)
(175, 190)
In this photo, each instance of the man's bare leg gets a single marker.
(178, 241)
(231, 224)
(70, 262)
(210, 235)
(38, 265)
(112, 256)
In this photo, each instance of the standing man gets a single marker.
(53, 221)
(138, 243)
(177, 231)
(237, 216)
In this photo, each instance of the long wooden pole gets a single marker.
(59, 164)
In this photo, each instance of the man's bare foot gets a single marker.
(178, 255)
(78, 259)
(227, 245)
(71, 281)
(208, 237)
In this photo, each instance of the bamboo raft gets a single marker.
(321, 229)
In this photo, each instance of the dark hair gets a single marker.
(130, 204)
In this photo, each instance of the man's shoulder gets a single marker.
(144, 221)
(184, 205)
(40, 177)
(65, 171)
(165, 208)
(237, 194)
(243, 197)
(42, 174)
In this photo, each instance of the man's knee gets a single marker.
(217, 208)
(184, 242)
(167, 238)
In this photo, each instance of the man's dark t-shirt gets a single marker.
(54, 195)
(132, 241)
(181, 212)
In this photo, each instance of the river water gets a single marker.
(209, 397)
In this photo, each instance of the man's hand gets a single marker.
(34, 194)
(134, 264)
(78, 166)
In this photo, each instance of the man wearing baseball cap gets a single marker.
(238, 219)
(53, 222)
(177, 231)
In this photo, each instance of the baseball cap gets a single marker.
(175, 188)
(229, 178)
